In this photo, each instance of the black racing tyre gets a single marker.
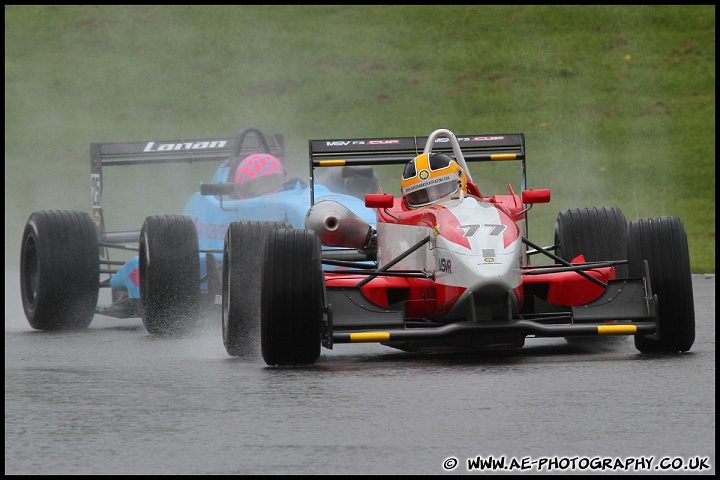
(242, 255)
(169, 262)
(598, 233)
(292, 298)
(662, 241)
(59, 270)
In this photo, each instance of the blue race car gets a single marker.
(177, 272)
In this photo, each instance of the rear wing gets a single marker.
(400, 150)
(103, 155)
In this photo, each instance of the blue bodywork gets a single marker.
(213, 214)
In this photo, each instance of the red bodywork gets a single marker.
(425, 298)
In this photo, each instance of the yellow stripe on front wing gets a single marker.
(617, 330)
(503, 156)
(369, 337)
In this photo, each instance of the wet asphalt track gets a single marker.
(113, 400)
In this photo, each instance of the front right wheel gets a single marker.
(292, 298)
(169, 264)
(599, 234)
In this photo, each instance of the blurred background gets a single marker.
(617, 102)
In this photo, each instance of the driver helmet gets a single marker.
(430, 178)
(259, 174)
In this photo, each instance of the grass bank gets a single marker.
(617, 102)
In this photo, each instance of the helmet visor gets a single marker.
(431, 191)
(261, 185)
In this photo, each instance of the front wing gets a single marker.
(627, 306)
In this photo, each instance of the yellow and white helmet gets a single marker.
(431, 177)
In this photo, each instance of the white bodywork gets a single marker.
(485, 261)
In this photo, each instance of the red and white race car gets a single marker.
(452, 272)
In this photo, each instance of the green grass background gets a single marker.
(617, 102)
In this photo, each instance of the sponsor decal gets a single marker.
(488, 255)
(424, 174)
(485, 139)
(427, 183)
(343, 143)
(173, 147)
(488, 138)
(445, 265)
(96, 191)
(97, 217)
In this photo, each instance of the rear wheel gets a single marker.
(292, 298)
(169, 275)
(242, 257)
(599, 234)
(59, 270)
(662, 241)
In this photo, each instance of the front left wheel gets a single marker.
(292, 298)
(662, 241)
